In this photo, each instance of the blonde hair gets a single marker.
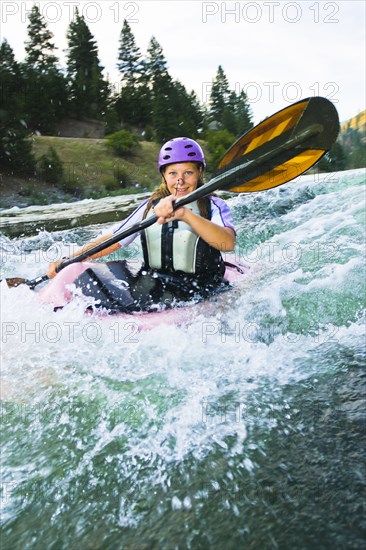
(204, 204)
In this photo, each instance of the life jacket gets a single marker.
(174, 247)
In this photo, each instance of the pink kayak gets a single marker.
(62, 290)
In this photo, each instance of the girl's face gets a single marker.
(182, 178)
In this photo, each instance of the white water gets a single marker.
(150, 401)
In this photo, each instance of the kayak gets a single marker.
(104, 290)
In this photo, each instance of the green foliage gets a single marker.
(164, 117)
(217, 141)
(334, 160)
(120, 180)
(134, 105)
(39, 47)
(50, 167)
(130, 62)
(354, 146)
(88, 89)
(173, 110)
(123, 142)
(186, 112)
(156, 64)
(44, 86)
(228, 110)
(36, 94)
(45, 99)
(15, 150)
(219, 95)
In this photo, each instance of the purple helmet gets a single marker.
(181, 149)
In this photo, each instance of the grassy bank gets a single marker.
(91, 170)
(90, 165)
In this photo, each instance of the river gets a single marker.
(244, 429)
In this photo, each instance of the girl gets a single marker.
(182, 252)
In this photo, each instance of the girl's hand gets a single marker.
(51, 271)
(165, 212)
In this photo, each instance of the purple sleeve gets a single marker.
(221, 214)
(135, 217)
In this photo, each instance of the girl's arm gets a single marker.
(52, 266)
(133, 218)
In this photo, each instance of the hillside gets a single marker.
(91, 170)
(353, 139)
(358, 122)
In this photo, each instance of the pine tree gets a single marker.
(156, 65)
(45, 85)
(228, 110)
(236, 117)
(164, 122)
(334, 160)
(187, 113)
(15, 148)
(243, 114)
(229, 120)
(164, 116)
(39, 48)
(219, 96)
(10, 81)
(353, 142)
(88, 89)
(130, 62)
(134, 104)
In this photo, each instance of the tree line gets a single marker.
(37, 93)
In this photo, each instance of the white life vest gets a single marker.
(175, 247)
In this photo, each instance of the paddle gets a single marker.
(272, 153)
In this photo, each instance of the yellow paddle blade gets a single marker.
(281, 147)
(280, 123)
(282, 173)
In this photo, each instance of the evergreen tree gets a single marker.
(45, 85)
(199, 112)
(10, 82)
(164, 121)
(228, 110)
(334, 160)
(186, 111)
(134, 104)
(156, 65)
(15, 148)
(219, 96)
(88, 89)
(130, 62)
(353, 143)
(229, 120)
(39, 48)
(236, 117)
(164, 117)
(174, 111)
(149, 94)
(243, 114)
